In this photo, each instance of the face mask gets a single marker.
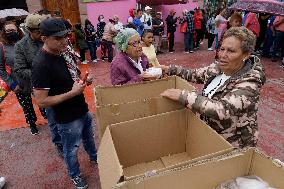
(102, 20)
(12, 36)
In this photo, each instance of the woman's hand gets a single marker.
(164, 68)
(172, 94)
(147, 77)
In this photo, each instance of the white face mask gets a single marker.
(102, 20)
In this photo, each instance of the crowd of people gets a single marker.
(40, 61)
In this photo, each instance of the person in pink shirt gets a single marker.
(252, 23)
(278, 25)
(197, 25)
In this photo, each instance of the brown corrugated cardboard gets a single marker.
(209, 173)
(116, 113)
(137, 91)
(128, 102)
(155, 143)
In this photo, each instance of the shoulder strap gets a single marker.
(8, 69)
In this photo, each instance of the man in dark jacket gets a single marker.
(158, 31)
(171, 28)
(25, 51)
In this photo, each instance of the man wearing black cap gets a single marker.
(57, 84)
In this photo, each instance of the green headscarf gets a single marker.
(122, 38)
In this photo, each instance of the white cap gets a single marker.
(148, 8)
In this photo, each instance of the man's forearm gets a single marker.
(54, 100)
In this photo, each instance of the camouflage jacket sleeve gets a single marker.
(242, 98)
(199, 75)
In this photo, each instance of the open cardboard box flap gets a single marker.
(210, 173)
(110, 164)
(137, 91)
(156, 143)
(116, 113)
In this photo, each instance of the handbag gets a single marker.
(183, 27)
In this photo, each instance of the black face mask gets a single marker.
(12, 36)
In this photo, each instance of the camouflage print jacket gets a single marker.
(232, 110)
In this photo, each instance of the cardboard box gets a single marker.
(147, 145)
(210, 173)
(116, 113)
(128, 102)
(137, 91)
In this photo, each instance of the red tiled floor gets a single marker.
(31, 161)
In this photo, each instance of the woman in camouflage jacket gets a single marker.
(228, 102)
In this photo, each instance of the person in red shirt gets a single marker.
(197, 25)
(252, 23)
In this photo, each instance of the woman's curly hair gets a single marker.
(246, 37)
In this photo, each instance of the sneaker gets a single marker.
(186, 52)
(94, 61)
(79, 182)
(2, 181)
(94, 161)
(191, 51)
(34, 130)
(258, 52)
(84, 62)
(210, 49)
(274, 59)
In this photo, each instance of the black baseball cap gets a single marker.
(53, 27)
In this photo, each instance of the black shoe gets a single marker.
(34, 130)
(59, 149)
(94, 161)
(274, 59)
(160, 52)
(79, 182)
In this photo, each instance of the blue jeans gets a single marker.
(71, 135)
(109, 48)
(268, 44)
(93, 49)
(188, 41)
(56, 138)
(278, 43)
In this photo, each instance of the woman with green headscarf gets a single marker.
(129, 64)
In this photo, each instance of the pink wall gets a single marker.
(165, 9)
(121, 7)
(108, 9)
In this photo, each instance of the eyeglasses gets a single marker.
(135, 43)
(10, 30)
